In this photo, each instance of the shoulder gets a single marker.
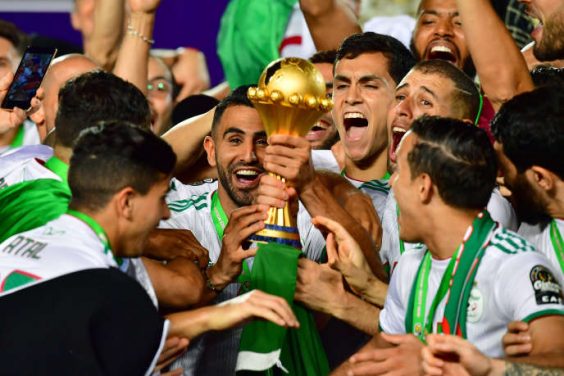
(183, 197)
(506, 242)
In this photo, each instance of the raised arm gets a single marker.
(102, 45)
(500, 65)
(187, 140)
(133, 58)
(329, 22)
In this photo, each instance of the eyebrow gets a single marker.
(433, 12)
(241, 132)
(362, 79)
(158, 78)
(431, 92)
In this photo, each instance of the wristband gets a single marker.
(209, 283)
(135, 33)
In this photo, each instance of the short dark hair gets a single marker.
(17, 37)
(466, 96)
(400, 60)
(545, 74)
(114, 155)
(324, 57)
(458, 157)
(530, 127)
(237, 98)
(97, 96)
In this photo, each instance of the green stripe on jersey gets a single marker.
(511, 243)
(199, 202)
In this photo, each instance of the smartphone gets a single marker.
(28, 77)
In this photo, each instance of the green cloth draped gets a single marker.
(249, 37)
(264, 344)
(30, 204)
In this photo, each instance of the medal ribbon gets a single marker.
(19, 138)
(557, 243)
(456, 284)
(98, 230)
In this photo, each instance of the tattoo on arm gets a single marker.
(519, 369)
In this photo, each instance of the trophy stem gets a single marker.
(280, 226)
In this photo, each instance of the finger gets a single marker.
(515, 350)
(370, 355)
(250, 230)
(283, 139)
(174, 372)
(242, 222)
(516, 339)
(277, 303)
(431, 364)
(331, 247)
(395, 339)
(243, 211)
(368, 368)
(336, 228)
(517, 326)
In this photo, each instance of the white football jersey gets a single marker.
(190, 207)
(513, 282)
(25, 163)
(539, 236)
(499, 208)
(62, 246)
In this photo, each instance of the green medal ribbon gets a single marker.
(401, 243)
(557, 243)
(456, 284)
(98, 230)
(18, 140)
(60, 168)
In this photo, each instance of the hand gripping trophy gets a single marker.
(290, 98)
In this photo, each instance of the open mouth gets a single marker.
(247, 176)
(397, 136)
(355, 124)
(442, 52)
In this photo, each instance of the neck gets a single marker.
(374, 169)
(226, 202)
(63, 153)
(446, 231)
(108, 224)
(555, 206)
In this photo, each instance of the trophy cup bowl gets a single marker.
(290, 98)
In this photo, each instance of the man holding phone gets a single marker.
(13, 43)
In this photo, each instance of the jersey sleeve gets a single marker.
(529, 288)
(501, 211)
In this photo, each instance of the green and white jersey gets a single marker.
(499, 208)
(62, 246)
(539, 236)
(513, 282)
(25, 163)
(190, 207)
(376, 189)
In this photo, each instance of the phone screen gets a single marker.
(28, 77)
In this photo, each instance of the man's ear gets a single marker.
(425, 188)
(125, 202)
(542, 177)
(209, 146)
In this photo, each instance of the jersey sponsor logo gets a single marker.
(24, 247)
(546, 287)
(475, 305)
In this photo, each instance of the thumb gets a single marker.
(394, 339)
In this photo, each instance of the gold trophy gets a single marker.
(290, 98)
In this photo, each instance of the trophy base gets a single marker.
(279, 235)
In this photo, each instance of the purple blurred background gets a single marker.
(186, 23)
